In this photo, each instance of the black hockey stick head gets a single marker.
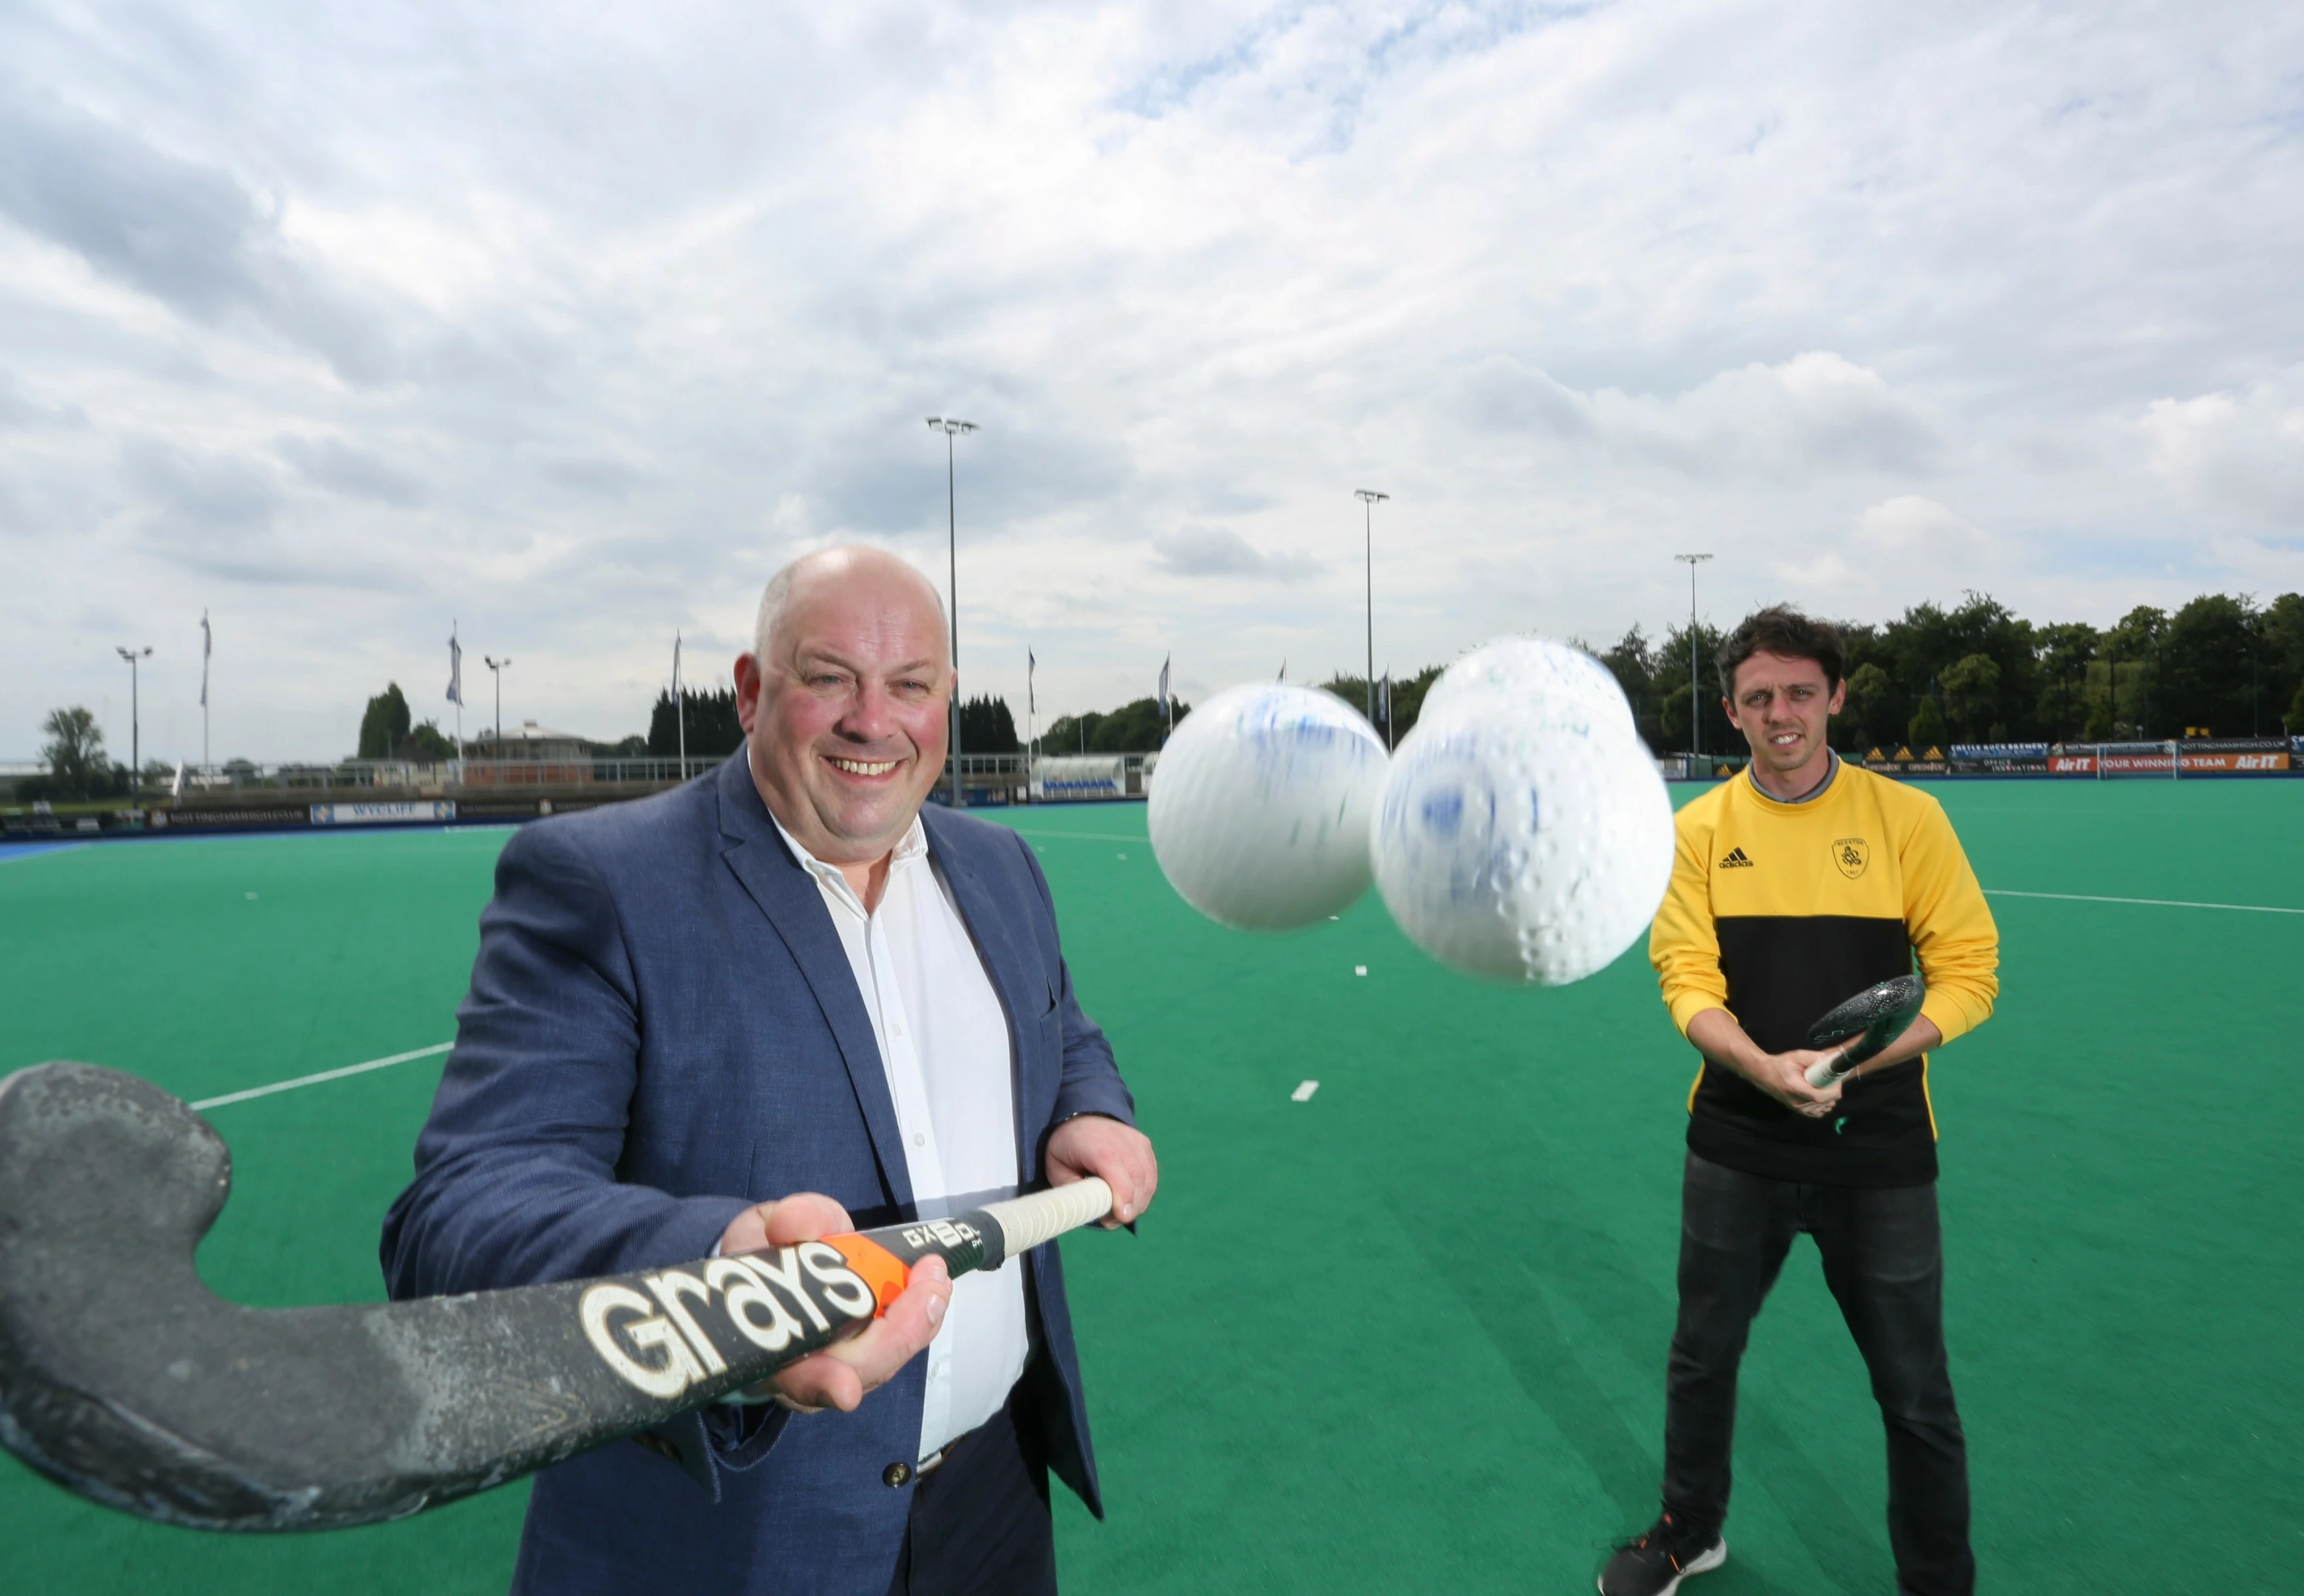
(125, 1379)
(1874, 1018)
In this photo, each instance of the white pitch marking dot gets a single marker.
(1303, 1095)
(1360, 968)
(251, 894)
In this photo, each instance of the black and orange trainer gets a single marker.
(1655, 1564)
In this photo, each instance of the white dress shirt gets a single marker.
(944, 1044)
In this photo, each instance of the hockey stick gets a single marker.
(124, 1379)
(1868, 1023)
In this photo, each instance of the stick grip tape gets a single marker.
(1027, 1222)
(1824, 1071)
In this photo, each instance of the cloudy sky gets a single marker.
(569, 324)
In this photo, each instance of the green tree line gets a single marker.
(1974, 672)
(385, 732)
(1980, 673)
(1138, 728)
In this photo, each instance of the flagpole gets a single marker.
(679, 704)
(1369, 499)
(208, 644)
(456, 691)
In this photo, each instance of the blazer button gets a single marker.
(895, 1475)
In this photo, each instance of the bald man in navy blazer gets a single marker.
(789, 981)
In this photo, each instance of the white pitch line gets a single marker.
(1085, 836)
(1303, 1095)
(350, 1069)
(2082, 897)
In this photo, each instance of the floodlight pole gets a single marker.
(135, 742)
(499, 666)
(1695, 695)
(952, 427)
(1369, 499)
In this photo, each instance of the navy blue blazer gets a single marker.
(663, 1029)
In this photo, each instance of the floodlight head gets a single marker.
(132, 654)
(951, 424)
(1370, 494)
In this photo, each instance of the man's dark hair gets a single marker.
(1780, 629)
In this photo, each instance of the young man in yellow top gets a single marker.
(1796, 885)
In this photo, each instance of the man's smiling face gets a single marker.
(1781, 706)
(847, 713)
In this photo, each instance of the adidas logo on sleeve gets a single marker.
(1735, 861)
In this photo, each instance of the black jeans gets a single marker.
(979, 1523)
(1883, 1261)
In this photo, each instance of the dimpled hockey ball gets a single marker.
(1522, 840)
(1261, 806)
(1534, 668)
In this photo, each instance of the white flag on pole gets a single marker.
(1164, 685)
(455, 668)
(1031, 703)
(207, 645)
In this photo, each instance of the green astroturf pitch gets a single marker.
(1408, 1334)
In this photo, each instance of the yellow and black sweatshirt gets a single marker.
(1777, 912)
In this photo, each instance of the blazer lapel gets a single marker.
(794, 904)
(1022, 986)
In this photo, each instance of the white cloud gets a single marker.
(1910, 529)
(1897, 552)
(2241, 454)
(1814, 413)
(1219, 551)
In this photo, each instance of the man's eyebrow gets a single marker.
(809, 659)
